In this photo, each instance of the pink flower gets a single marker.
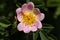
(29, 17)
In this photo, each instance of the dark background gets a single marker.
(8, 23)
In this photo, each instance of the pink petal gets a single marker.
(19, 17)
(30, 5)
(19, 14)
(33, 28)
(41, 16)
(24, 7)
(23, 27)
(18, 11)
(27, 7)
(20, 26)
(38, 24)
(37, 11)
(26, 29)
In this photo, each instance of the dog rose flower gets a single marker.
(29, 17)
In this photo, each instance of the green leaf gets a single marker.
(4, 20)
(43, 36)
(35, 35)
(17, 5)
(52, 37)
(57, 13)
(47, 27)
(4, 25)
(52, 3)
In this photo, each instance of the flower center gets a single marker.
(29, 18)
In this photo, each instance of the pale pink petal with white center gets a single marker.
(23, 27)
(27, 7)
(20, 26)
(24, 7)
(26, 29)
(19, 17)
(33, 28)
(41, 16)
(18, 11)
(38, 24)
(19, 14)
(30, 5)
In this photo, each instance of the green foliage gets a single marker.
(57, 13)
(42, 35)
(53, 2)
(2, 6)
(4, 25)
(35, 35)
(38, 2)
(48, 28)
(8, 23)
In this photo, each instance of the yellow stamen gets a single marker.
(29, 18)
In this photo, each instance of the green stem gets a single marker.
(34, 36)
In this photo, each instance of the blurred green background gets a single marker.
(8, 22)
